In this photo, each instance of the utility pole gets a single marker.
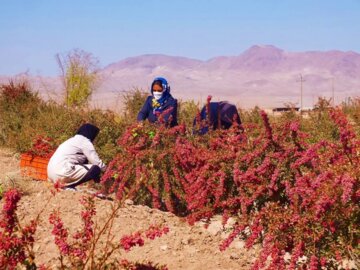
(301, 92)
(332, 88)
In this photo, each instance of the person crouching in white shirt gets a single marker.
(76, 161)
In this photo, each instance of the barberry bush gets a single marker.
(291, 182)
(16, 240)
(82, 250)
(300, 198)
(290, 192)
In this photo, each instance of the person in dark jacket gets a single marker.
(222, 116)
(160, 104)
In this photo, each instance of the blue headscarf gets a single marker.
(158, 104)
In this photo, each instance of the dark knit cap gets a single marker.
(89, 131)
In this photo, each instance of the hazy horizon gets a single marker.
(266, 76)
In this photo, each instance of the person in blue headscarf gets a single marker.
(160, 105)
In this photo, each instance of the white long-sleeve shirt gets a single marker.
(72, 152)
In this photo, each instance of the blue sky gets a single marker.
(33, 31)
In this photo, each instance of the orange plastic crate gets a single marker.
(34, 166)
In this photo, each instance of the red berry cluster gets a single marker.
(42, 146)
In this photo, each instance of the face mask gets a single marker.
(157, 95)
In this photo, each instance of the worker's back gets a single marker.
(222, 116)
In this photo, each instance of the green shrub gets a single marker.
(352, 108)
(18, 105)
(25, 116)
(187, 111)
(133, 102)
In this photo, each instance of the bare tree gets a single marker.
(79, 73)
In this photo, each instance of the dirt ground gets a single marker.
(184, 247)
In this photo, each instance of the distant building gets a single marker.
(286, 109)
(279, 110)
(307, 109)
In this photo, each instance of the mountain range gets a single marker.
(262, 75)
